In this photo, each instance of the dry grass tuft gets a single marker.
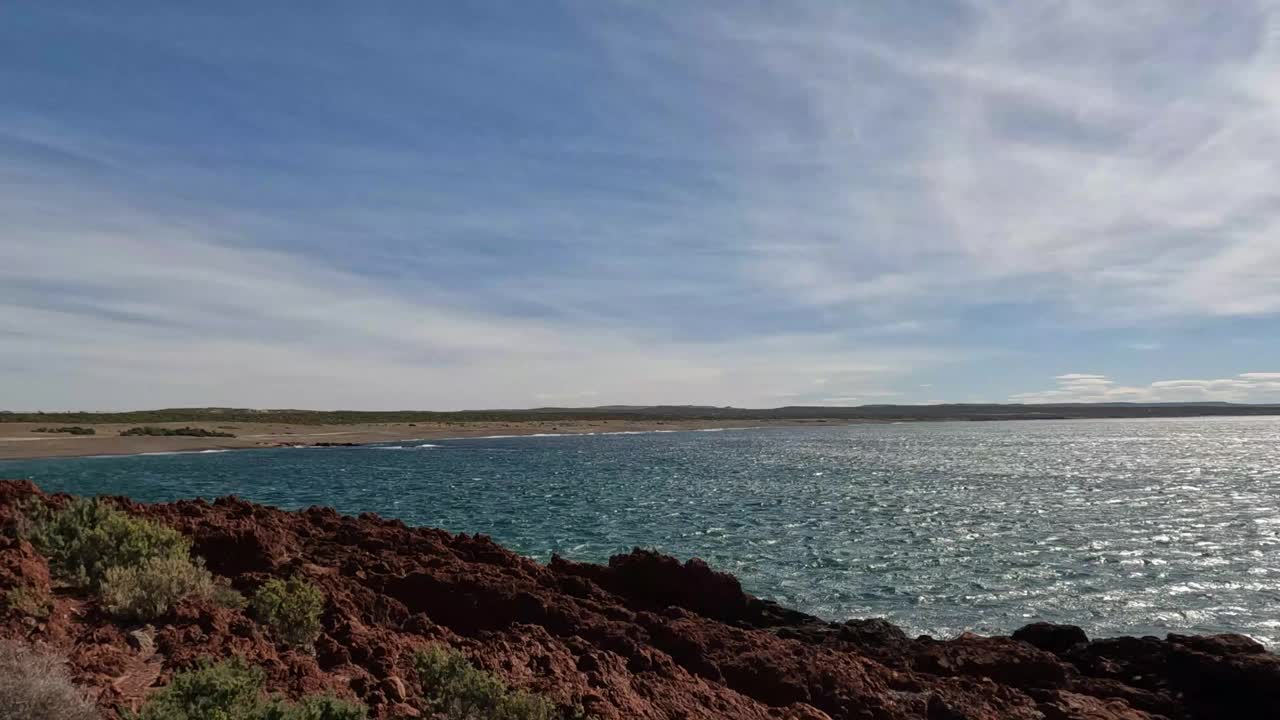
(35, 685)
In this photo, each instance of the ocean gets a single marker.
(1120, 526)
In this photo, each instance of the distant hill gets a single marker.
(957, 411)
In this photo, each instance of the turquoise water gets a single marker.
(1119, 526)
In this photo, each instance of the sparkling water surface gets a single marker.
(1119, 526)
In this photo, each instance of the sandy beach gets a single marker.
(20, 441)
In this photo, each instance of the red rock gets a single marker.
(1052, 638)
(394, 688)
(1003, 660)
(1071, 706)
(644, 638)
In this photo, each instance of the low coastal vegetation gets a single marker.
(454, 690)
(88, 537)
(155, 586)
(67, 430)
(35, 685)
(152, 431)
(28, 600)
(234, 690)
(139, 568)
(291, 609)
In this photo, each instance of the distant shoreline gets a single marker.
(638, 413)
(18, 441)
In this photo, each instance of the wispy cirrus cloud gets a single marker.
(1005, 152)
(141, 309)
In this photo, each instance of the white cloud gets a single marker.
(1118, 163)
(1253, 387)
(129, 310)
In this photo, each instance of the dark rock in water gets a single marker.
(1003, 660)
(655, 581)
(1219, 644)
(874, 632)
(335, 444)
(1052, 638)
(645, 637)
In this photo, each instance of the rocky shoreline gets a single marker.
(644, 637)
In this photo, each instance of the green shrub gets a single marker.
(88, 537)
(150, 590)
(69, 429)
(29, 601)
(150, 430)
(35, 685)
(140, 568)
(232, 690)
(316, 708)
(226, 596)
(457, 691)
(291, 609)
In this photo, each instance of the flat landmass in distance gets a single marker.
(279, 428)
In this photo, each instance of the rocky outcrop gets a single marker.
(645, 637)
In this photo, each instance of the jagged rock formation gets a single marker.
(645, 637)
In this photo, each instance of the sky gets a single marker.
(493, 204)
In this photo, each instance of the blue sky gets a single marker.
(451, 205)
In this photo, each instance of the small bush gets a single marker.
(226, 596)
(316, 708)
(29, 601)
(35, 685)
(140, 568)
(291, 609)
(229, 690)
(150, 430)
(68, 429)
(457, 691)
(150, 590)
(88, 537)
(232, 690)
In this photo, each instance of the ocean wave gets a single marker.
(594, 433)
(503, 437)
(170, 452)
